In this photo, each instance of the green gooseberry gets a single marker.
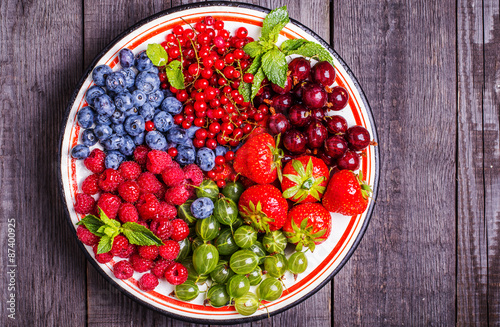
(259, 250)
(187, 291)
(205, 258)
(245, 236)
(274, 242)
(184, 212)
(270, 289)
(225, 211)
(225, 243)
(255, 276)
(297, 263)
(247, 304)
(243, 262)
(217, 296)
(208, 189)
(233, 190)
(237, 285)
(207, 228)
(275, 265)
(185, 249)
(221, 272)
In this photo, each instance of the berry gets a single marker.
(314, 230)
(102, 257)
(159, 267)
(148, 282)
(295, 141)
(316, 134)
(299, 116)
(177, 195)
(80, 151)
(123, 269)
(314, 95)
(149, 252)
(350, 161)
(194, 175)
(166, 211)
(110, 204)
(202, 208)
(338, 98)
(278, 123)
(120, 243)
(109, 180)
(140, 264)
(180, 230)
(173, 175)
(140, 154)
(176, 274)
(162, 228)
(172, 152)
(129, 170)
(346, 194)
(282, 90)
(299, 68)
(127, 252)
(205, 159)
(157, 161)
(221, 183)
(95, 161)
(86, 236)
(148, 183)
(335, 146)
(169, 250)
(323, 73)
(128, 213)
(358, 138)
(84, 203)
(336, 124)
(147, 206)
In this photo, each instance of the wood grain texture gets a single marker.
(403, 272)
(37, 75)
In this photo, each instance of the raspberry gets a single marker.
(140, 154)
(180, 230)
(194, 175)
(110, 204)
(84, 203)
(157, 161)
(140, 264)
(166, 211)
(128, 213)
(102, 257)
(148, 183)
(176, 274)
(91, 184)
(129, 191)
(149, 252)
(127, 252)
(160, 266)
(173, 176)
(123, 269)
(95, 161)
(119, 243)
(148, 282)
(170, 250)
(162, 229)
(147, 206)
(161, 192)
(130, 170)
(86, 236)
(109, 180)
(177, 195)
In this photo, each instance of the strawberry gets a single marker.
(305, 179)
(259, 159)
(307, 224)
(346, 193)
(263, 207)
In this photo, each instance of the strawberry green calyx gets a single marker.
(254, 216)
(305, 183)
(366, 190)
(303, 235)
(278, 154)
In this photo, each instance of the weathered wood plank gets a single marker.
(39, 67)
(403, 272)
(471, 238)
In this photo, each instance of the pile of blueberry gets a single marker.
(127, 108)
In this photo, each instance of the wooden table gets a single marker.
(431, 72)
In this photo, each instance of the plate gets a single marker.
(327, 259)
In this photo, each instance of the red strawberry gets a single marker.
(346, 193)
(305, 179)
(263, 207)
(259, 159)
(307, 224)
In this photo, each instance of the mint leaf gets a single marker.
(105, 244)
(275, 66)
(140, 235)
(274, 23)
(257, 80)
(245, 90)
(174, 74)
(293, 44)
(157, 54)
(92, 223)
(254, 67)
(253, 49)
(312, 49)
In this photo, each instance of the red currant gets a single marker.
(241, 32)
(150, 126)
(221, 183)
(172, 152)
(248, 78)
(229, 156)
(211, 144)
(220, 160)
(201, 134)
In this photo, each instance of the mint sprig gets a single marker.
(270, 60)
(159, 57)
(107, 229)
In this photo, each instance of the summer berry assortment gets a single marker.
(208, 153)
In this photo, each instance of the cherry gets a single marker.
(282, 90)
(282, 102)
(335, 146)
(295, 141)
(316, 134)
(287, 157)
(336, 124)
(318, 114)
(314, 95)
(338, 98)
(278, 123)
(297, 91)
(358, 138)
(324, 73)
(329, 161)
(350, 160)
(299, 115)
(300, 69)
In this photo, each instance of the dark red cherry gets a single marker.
(287, 157)
(314, 95)
(295, 141)
(336, 124)
(299, 115)
(329, 161)
(338, 98)
(297, 91)
(350, 160)
(299, 68)
(358, 138)
(278, 123)
(318, 114)
(280, 90)
(335, 146)
(266, 94)
(316, 134)
(323, 73)
(282, 102)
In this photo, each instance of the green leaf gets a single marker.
(105, 244)
(312, 49)
(274, 23)
(308, 183)
(275, 66)
(294, 178)
(253, 49)
(257, 80)
(303, 224)
(157, 54)
(245, 90)
(254, 67)
(290, 45)
(92, 223)
(297, 165)
(319, 234)
(290, 192)
(139, 235)
(174, 74)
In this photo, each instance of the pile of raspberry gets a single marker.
(144, 191)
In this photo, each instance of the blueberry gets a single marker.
(129, 74)
(88, 137)
(154, 70)
(142, 62)
(177, 135)
(114, 142)
(118, 117)
(155, 140)
(104, 105)
(185, 155)
(126, 57)
(128, 146)
(115, 82)
(191, 130)
(202, 208)
(139, 139)
(147, 111)
(171, 105)
(170, 145)
(134, 125)
(102, 120)
(119, 129)
(124, 101)
(167, 93)
(100, 73)
(138, 98)
(220, 150)
(205, 159)
(155, 98)
(131, 111)
(92, 93)
(147, 82)
(102, 132)
(86, 117)
(163, 121)
(113, 159)
(80, 151)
